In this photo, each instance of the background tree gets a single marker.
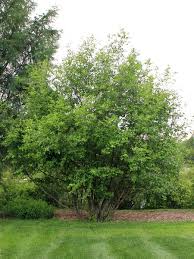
(102, 130)
(188, 146)
(23, 40)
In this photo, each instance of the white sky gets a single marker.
(162, 30)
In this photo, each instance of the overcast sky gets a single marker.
(159, 29)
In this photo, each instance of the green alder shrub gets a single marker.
(99, 127)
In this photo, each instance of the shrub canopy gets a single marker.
(99, 127)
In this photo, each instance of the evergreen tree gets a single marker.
(23, 41)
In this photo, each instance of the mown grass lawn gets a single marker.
(74, 239)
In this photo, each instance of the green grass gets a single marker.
(65, 239)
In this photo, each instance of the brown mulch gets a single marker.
(134, 215)
(70, 215)
(155, 215)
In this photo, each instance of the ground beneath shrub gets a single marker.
(136, 215)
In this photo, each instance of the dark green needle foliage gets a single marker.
(24, 40)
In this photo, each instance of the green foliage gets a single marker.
(6, 118)
(24, 40)
(28, 208)
(188, 146)
(176, 193)
(98, 127)
(187, 180)
(12, 187)
(181, 196)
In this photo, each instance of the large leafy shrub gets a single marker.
(99, 127)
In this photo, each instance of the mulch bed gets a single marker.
(70, 215)
(155, 215)
(132, 215)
